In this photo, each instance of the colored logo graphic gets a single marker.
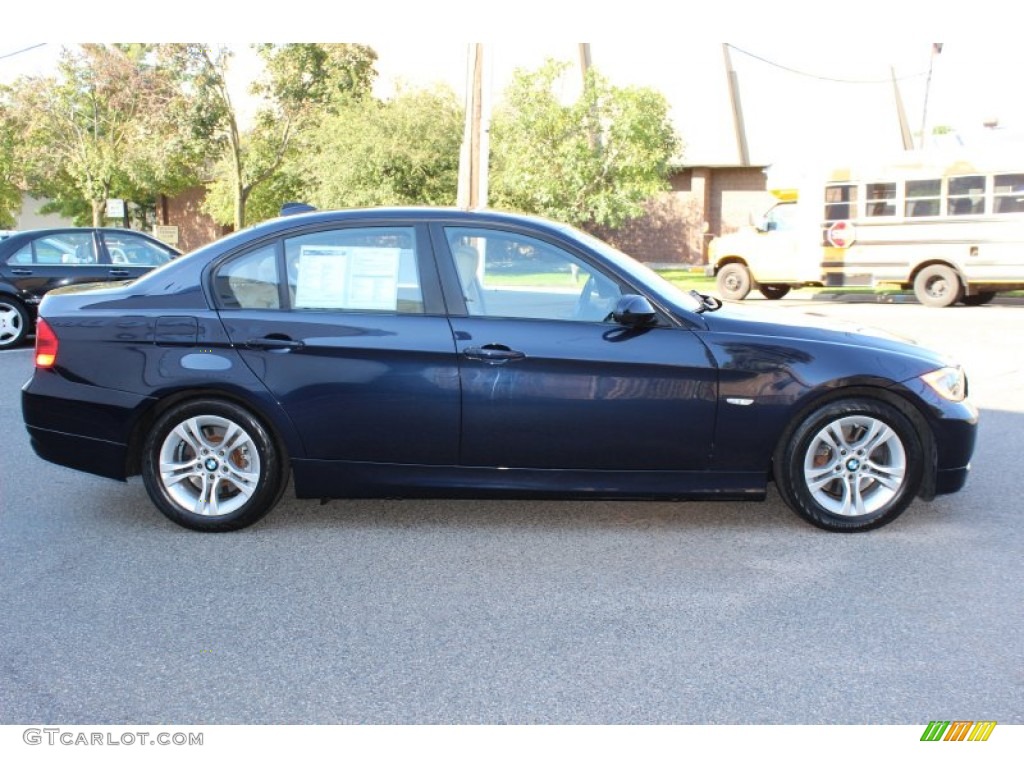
(958, 730)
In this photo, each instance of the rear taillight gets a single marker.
(46, 345)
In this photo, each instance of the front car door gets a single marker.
(52, 259)
(549, 381)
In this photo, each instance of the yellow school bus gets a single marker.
(950, 228)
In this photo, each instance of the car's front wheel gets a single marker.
(734, 282)
(210, 465)
(14, 323)
(851, 465)
(938, 286)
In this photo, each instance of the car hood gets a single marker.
(809, 326)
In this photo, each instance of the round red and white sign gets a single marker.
(841, 234)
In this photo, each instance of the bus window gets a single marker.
(923, 198)
(840, 202)
(881, 199)
(966, 196)
(1009, 193)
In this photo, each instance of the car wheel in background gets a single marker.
(210, 465)
(773, 292)
(14, 323)
(977, 299)
(938, 286)
(851, 465)
(734, 282)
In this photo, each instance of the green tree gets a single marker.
(10, 194)
(108, 124)
(593, 162)
(303, 83)
(403, 151)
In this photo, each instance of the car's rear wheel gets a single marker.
(851, 465)
(978, 299)
(210, 465)
(14, 323)
(773, 292)
(734, 282)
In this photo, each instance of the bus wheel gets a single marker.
(938, 286)
(977, 299)
(734, 282)
(773, 292)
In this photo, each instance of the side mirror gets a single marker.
(634, 311)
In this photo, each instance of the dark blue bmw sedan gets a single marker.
(446, 353)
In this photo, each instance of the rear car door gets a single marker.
(345, 325)
(131, 255)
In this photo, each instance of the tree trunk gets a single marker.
(98, 207)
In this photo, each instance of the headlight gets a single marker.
(948, 383)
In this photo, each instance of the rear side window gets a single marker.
(250, 281)
(134, 251)
(355, 269)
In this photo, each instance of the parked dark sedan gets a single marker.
(36, 261)
(434, 352)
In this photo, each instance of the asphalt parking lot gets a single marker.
(524, 612)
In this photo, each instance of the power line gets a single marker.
(822, 77)
(23, 50)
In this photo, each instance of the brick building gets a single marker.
(185, 211)
(704, 202)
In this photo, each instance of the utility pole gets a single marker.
(908, 139)
(737, 108)
(472, 192)
(593, 137)
(936, 50)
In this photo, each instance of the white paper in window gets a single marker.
(347, 277)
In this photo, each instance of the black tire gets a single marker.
(14, 322)
(734, 282)
(248, 477)
(851, 465)
(773, 292)
(977, 299)
(938, 286)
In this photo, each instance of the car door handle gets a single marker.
(493, 353)
(119, 273)
(270, 342)
(21, 271)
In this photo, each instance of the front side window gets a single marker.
(505, 274)
(922, 198)
(64, 248)
(781, 218)
(355, 269)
